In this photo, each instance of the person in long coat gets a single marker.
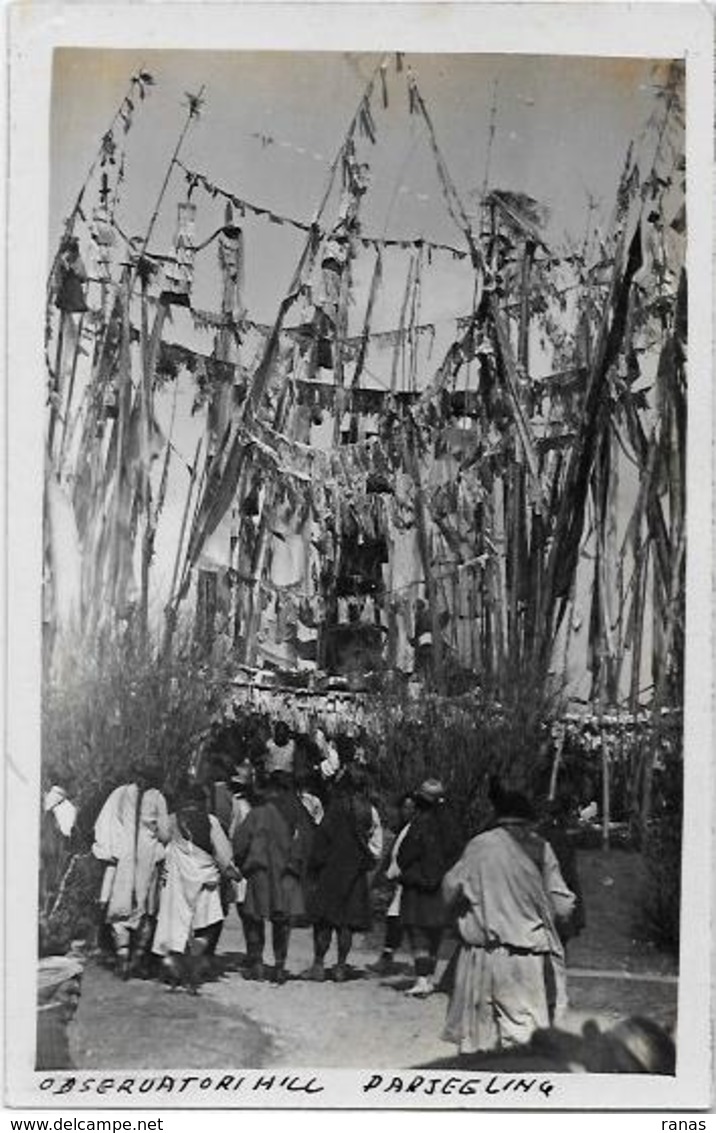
(426, 853)
(507, 891)
(271, 848)
(347, 845)
(554, 828)
(394, 928)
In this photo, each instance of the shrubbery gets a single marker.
(661, 901)
(127, 704)
(464, 749)
(121, 705)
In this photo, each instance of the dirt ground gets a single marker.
(366, 1021)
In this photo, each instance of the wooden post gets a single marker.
(56, 385)
(556, 763)
(150, 353)
(424, 549)
(170, 608)
(70, 391)
(606, 792)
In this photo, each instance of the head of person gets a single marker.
(639, 1046)
(559, 810)
(508, 803)
(406, 807)
(192, 797)
(281, 733)
(138, 775)
(352, 780)
(242, 778)
(514, 805)
(147, 776)
(360, 756)
(429, 795)
(220, 767)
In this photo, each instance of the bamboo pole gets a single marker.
(56, 385)
(400, 344)
(424, 550)
(172, 604)
(340, 337)
(556, 763)
(70, 392)
(606, 792)
(150, 352)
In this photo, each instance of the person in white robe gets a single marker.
(190, 908)
(130, 834)
(507, 892)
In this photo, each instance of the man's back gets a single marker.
(501, 883)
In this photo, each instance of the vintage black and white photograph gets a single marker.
(364, 550)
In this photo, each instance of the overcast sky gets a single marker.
(562, 127)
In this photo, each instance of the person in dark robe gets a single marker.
(555, 829)
(347, 845)
(426, 853)
(271, 848)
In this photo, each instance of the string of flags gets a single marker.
(213, 320)
(196, 180)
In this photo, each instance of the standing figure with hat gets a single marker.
(507, 892)
(426, 853)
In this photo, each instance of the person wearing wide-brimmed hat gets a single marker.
(507, 892)
(427, 851)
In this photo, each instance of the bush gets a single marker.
(661, 901)
(120, 704)
(463, 744)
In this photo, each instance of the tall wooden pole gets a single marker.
(56, 384)
(426, 558)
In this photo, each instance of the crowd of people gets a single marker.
(288, 840)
